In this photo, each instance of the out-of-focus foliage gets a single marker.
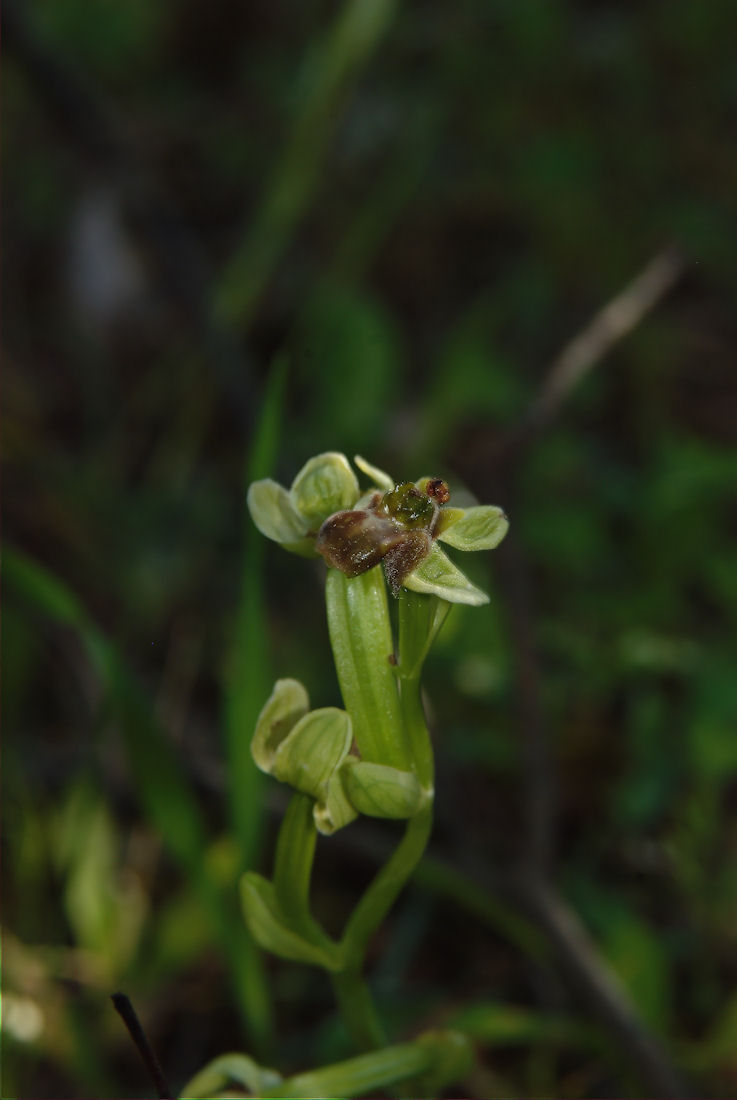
(416, 210)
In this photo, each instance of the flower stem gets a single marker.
(361, 638)
(357, 1009)
(390, 728)
(420, 619)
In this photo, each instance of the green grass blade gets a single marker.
(247, 676)
(162, 787)
(337, 66)
(246, 684)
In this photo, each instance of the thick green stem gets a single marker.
(390, 729)
(363, 647)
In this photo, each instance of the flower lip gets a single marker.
(355, 541)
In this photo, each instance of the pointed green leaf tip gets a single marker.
(285, 706)
(271, 928)
(479, 528)
(324, 485)
(437, 576)
(379, 477)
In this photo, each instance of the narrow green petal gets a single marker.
(325, 484)
(285, 706)
(438, 576)
(273, 512)
(380, 791)
(271, 929)
(315, 747)
(480, 528)
(377, 476)
(336, 811)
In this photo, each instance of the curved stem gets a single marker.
(352, 993)
(382, 893)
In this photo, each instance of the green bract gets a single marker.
(380, 791)
(393, 528)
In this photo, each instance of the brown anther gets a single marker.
(438, 491)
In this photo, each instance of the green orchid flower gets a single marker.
(397, 525)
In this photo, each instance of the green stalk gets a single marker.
(390, 728)
(361, 637)
(357, 1008)
(420, 619)
(383, 891)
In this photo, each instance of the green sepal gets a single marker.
(379, 477)
(438, 576)
(479, 528)
(286, 705)
(314, 748)
(276, 517)
(325, 484)
(380, 791)
(271, 930)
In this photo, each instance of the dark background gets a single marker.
(410, 210)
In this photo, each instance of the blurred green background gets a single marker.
(237, 234)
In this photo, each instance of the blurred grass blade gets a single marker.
(161, 784)
(365, 1074)
(222, 1072)
(333, 71)
(247, 676)
(247, 682)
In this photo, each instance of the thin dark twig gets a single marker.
(590, 346)
(607, 327)
(128, 1015)
(539, 795)
(587, 972)
(500, 464)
